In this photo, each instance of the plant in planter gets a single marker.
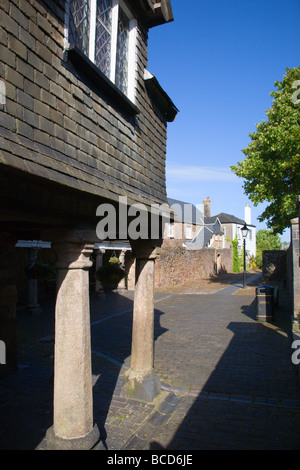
(111, 273)
(40, 271)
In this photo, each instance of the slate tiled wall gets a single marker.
(55, 126)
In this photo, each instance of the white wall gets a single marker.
(250, 240)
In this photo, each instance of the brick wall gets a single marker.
(58, 127)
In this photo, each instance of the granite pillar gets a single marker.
(141, 380)
(73, 426)
(8, 303)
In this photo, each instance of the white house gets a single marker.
(231, 227)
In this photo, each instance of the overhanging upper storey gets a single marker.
(80, 121)
(101, 38)
(154, 12)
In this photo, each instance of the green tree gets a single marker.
(271, 167)
(266, 240)
(235, 256)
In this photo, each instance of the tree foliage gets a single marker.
(272, 163)
(266, 240)
(235, 260)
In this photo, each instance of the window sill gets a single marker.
(85, 67)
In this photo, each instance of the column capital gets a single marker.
(146, 249)
(73, 255)
(100, 251)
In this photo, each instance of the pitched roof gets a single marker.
(187, 212)
(225, 219)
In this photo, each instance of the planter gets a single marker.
(110, 274)
(40, 271)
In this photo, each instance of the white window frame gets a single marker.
(171, 230)
(188, 231)
(132, 41)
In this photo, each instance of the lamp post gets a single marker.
(244, 231)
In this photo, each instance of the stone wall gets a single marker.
(283, 267)
(294, 272)
(274, 265)
(175, 265)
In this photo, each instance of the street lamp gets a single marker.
(244, 231)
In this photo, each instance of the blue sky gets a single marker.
(218, 61)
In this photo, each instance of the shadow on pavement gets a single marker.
(112, 338)
(26, 406)
(233, 278)
(251, 400)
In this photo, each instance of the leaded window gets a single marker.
(122, 51)
(104, 30)
(103, 38)
(79, 26)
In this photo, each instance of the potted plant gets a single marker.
(40, 271)
(111, 273)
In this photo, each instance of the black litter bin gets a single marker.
(265, 303)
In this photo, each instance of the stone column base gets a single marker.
(33, 310)
(81, 443)
(8, 329)
(141, 386)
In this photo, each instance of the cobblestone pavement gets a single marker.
(228, 381)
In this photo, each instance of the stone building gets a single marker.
(187, 253)
(188, 228)
(83, 123)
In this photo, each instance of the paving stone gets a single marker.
(228, 380)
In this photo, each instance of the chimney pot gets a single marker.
(247, 214)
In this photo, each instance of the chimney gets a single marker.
(206, 207)
(247, 214)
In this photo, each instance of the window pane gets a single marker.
(122, 52)
(103, 36)
(79, 24)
